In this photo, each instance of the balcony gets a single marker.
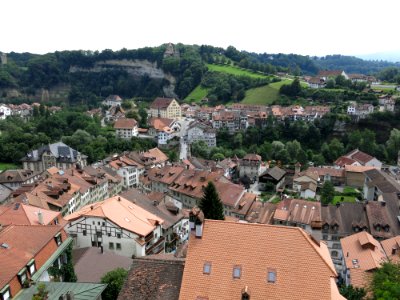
(157, 247)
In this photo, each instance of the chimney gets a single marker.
(199, 229)
(40, 218)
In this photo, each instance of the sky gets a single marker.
(308, 27)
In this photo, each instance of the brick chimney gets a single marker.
(40, 218)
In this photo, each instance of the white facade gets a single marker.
(127, 133)
(198, 133)
(130, 174)
(97, 232)
(4, 112)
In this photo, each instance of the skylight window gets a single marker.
(271, 276)
(237, 272)
(207, 268)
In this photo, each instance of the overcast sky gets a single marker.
(313, 27)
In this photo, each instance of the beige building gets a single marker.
(165, 108)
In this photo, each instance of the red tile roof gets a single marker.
(22, 214)
(125, 123)
(24, 243)
(257, 248)
(161, 103)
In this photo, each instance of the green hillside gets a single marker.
(234, 71)
(265, 94)
(196, 95)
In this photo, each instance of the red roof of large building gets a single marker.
(125, 123)
(161, 103)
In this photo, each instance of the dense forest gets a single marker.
(188, 65)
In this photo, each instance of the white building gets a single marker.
(126, 128)
(117, 225)
(128, 169)
(113, 100)
(198, 131)
(5, 111)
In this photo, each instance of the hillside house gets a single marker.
(126, 128)
(57, 155)
(198, 131)
(165, 108)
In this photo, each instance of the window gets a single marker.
(118, 235)
(237, 271)
(22, 276)
(104, 223)
(207, 268)
(325, 237)
(5, 293)
(336, 246)
(271, 276)
(31, 267)
(84, 232)
(58, 239)
(111, 246)
(334, 253)
(118, 246)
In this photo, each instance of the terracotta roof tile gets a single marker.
(161, 103)
(125, 123)
(24, 243)
(22, 214)
(362, 252)
(122, 212)
(289, 251)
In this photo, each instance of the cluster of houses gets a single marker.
(324, 76)
(22, 110)
(140, 212)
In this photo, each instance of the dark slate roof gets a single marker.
(61, 151)
(384, 182)
(87, 266)
(346, 215)
(275, 172)
(153, 279)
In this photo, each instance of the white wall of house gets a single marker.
(307, 194)
(112, 238)
(4, 112)
(374, 163)
(127, 133)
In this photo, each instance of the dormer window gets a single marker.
(271, 276)
(22, 276)
(207, 268)
(5, 293)
(58, 238)
(31, 267)
(237, 272)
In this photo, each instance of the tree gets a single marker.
(173, 156)
(393, 144)
(114, 280)
(386, 281)
(143, 117)
(327, 192)
(42, 292)
(211, 204)
(351, 293)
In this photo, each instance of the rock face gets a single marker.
(136, 68)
